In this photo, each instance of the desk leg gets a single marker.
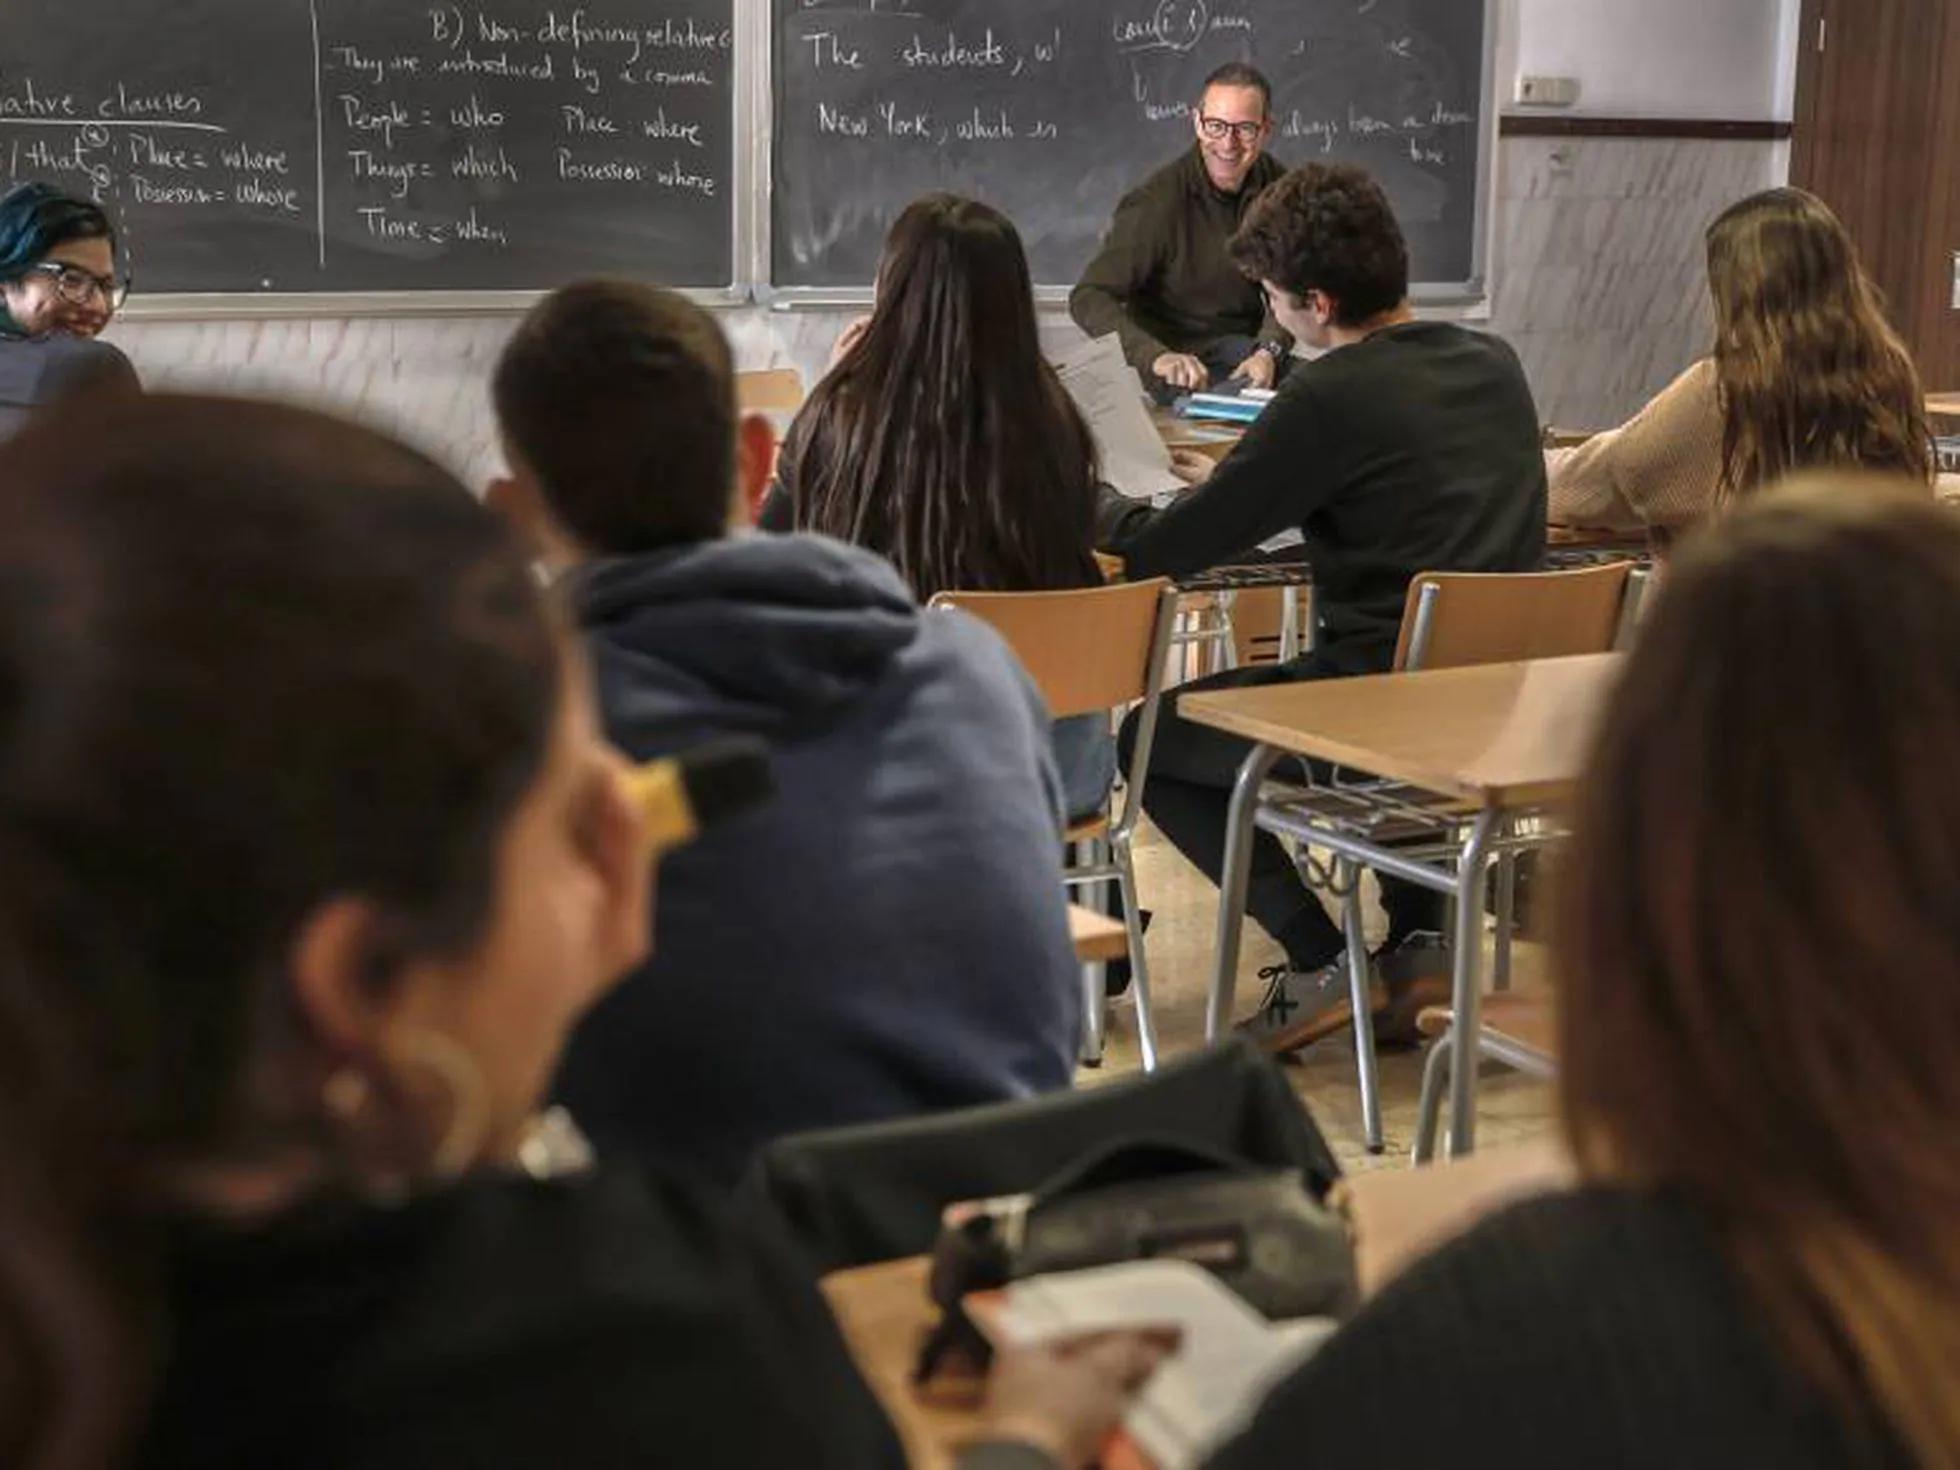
(1364, 1020)
(1466, 981)
(1236, 869)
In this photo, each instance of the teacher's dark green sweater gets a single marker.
(1163, 280)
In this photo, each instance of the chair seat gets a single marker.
(1096, 936)
(1088, 827)
(1526, 1020)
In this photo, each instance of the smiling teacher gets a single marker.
(59, 286)
(1163, 280)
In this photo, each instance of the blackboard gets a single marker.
(384, 145)
(1052, 109)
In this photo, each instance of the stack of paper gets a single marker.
(1110, 396)
(1227, 1358)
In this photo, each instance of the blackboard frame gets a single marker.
(1470, 294)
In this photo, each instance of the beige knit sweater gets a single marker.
(1662, 468)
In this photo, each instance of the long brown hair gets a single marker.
(1810, 374)
(1758, 942)
(250, 659)
(943, 439)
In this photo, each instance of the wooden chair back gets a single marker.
(1086, 648)
(1258, 615)
(1452, 619)
(769, 390)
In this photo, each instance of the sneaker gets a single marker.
(1412, 973)
(1300, 1006)
(1305, 1006)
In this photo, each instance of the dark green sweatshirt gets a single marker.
(1163, 281)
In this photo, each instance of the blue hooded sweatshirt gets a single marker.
(888, 935)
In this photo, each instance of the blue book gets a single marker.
(1219, 406)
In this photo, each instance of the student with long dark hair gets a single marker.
(943, 440)
(60, 282)
(1805, 373)
(1757, 957)
(310, 857)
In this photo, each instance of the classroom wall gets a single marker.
(1595, 260)
(1659, 58)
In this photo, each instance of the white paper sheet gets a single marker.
(1110, 396)
(1228, 1357)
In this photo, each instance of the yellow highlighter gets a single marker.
(681, 796)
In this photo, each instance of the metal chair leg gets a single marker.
(1429, 1107)
(1095, 997)
(1348, 877)
(1507, 898)
(1235, 870)
(1126, 885)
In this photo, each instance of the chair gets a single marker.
(1097, 937)
(1092, 649)
(1517, 1030)
(874, 1192)
(769, 390)
(1259, 617)
(1451, 620)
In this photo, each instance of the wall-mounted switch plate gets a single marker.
(1548, 91)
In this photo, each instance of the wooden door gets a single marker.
(1877, 136)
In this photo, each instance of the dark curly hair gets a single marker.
(1327, 227)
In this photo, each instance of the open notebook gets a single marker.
(1229, 1355)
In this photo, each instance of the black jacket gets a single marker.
(1413, 450)
(613, 1319)
(1162, 280)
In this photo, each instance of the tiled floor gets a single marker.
(1185, 905)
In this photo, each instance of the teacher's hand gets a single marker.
(1257, 370)
(1180, 370)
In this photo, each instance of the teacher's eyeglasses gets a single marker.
(1216, 128)
(77, 285)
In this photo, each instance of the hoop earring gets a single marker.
(469, 1099)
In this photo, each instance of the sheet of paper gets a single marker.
(1106, 390)
(1227, 1358)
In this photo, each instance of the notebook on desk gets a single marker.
(1227, 1359)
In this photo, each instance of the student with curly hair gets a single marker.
(1408, 446)
(1805, 372)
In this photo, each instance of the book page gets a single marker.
(1110, 397)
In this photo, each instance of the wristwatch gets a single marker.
(1276, 351)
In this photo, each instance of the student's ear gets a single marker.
(343, 964)
(514, 499)
(755, 462)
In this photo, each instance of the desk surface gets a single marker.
(1944, 405)
(1501, 735)
(884, 1314)
(1207, 436)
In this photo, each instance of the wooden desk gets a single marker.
(1397, 1216)
(1207, 436)
(1943, 405)
(1494, 742)
(884, 1314)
